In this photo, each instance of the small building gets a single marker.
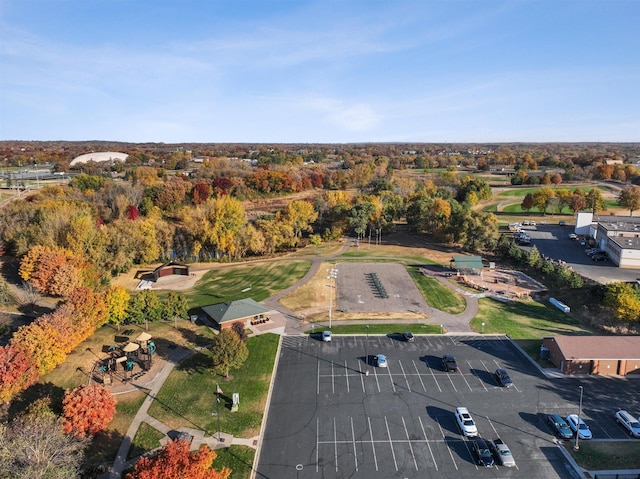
(602, 355)
(172, 267)
(246, 311)
(467, 264)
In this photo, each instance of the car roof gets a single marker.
(462, 410)
(481, 442)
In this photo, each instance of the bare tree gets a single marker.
(30, 295)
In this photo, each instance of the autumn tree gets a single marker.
(144, 306)
(228, 351)
(595, 201)
(527, 202)
(16, 372)
(34, 445)
(175, 306)
(629, 198)
(543, 198)
(300, 215)
(87, 410)
(116, 300)
(175, 460)
(577, 202)
(624, 300)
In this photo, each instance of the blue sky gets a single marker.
(320, 71)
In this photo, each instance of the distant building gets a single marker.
(618, 236)
(467, 264)
(99, 157)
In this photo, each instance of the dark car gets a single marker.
(408, 336)
(449, 363)
(560, 426)
(483, 453)
(503, 378)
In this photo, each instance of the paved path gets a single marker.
(458, 323)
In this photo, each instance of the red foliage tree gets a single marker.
(201, 193)
(132, 212)
(175, 460)
(87, 410)
(16, 372)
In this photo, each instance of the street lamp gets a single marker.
(483, 327)
(576, 447)
(333, 274)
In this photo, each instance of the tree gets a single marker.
(87, 410)
(595, 201)
(228, 352)
(16, 372)
(175, 460)
(629, 198)
(577, 202)
(240, 330)
(175, 306)
(527, 202)
(624, 299)
(116, 300)
(300, 215)
(543, 198)
(34, 446)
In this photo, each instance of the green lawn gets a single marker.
(597, 455)
(515, 208)
(524, 320)
(237, 458)
(187, 397)
(147, 439)
(437, 295)
(525, 191)
(228, 284)
(381, 252)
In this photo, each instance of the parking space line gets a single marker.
(494, 429)
(419, 375)
(391, 443)
(466, 445)
(454, 386)
(333, 380)
(318, 381)
(375, 373)
(393, 385)
(335, 443)
(346, 374)
(415, 463)
(353, 438)
(465, 379)
(426, 439)
(317, 443)
(373, 446)
(405, 376)
(361, 376)
(434, 378)
(444, 438)
(476, 375)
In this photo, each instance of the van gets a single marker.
(629, 422)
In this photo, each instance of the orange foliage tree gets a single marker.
(175, 460)
(90, 311)
(87, 410)
(16, 372)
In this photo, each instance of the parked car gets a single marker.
(559, 426)
(503, 378)
(573, 236)
(449, 363)
(326, 336)
(466, 422)
(483, 453)
(562, 223)
(380, 360)
(502, 452)
(579, 427)
(600, 257)
(526, 223)
(630, 423)
(532, 223)
(408, 336)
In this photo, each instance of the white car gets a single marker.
(466, 422)
(326, 336)
(629, 422)
(380, 360)
(503, 453)
(582, 429)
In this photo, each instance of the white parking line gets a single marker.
(353, 438)
(466, 444)
(405, 376)
(361, 376)
(375, 373)
(494, 429)
(449, 378)
(434, 378)
(391, 443)
(373, 446)
(419, 375)
(393, 385)
(426, 439)
(465, 379)
(346, 374)
(317, 443)
(446, 443)
(318, 381)
(335, 443)
(476, 375)
(415, 463)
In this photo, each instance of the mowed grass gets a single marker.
(524, 320)
(615, 455)
(147, 439)
(237, 458)
(437, 295)
(515, 208)
(382, 252)
(525, 191)
(257, 281)
(187, 397)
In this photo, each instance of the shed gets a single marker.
(246, 311)
(467, 264)
(602, 355)
(169, 268)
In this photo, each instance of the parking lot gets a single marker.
(329, 419)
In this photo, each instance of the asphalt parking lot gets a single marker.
(553, 241)
(328, 419)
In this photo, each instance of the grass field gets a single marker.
(237, 458)
(437, 295)
(525, 191)
(599, 455)
(187, 397)
(147, 439)
(524, 320)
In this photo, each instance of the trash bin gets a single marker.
(544, 352)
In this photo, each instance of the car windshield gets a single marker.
(468, 422)
(485, 453)
(583, 426)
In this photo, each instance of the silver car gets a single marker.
(502, 452)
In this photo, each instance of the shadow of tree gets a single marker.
(37, 391)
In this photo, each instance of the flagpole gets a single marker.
(218, 409)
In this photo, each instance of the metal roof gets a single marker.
(599, 347)
(468, 262)
(234, 310)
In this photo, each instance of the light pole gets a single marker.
(483, 327)
(576, 447)
(333, 274)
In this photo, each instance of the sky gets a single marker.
(340, 71)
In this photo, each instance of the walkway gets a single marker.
(458, 323)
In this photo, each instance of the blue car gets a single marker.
(560, 426)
